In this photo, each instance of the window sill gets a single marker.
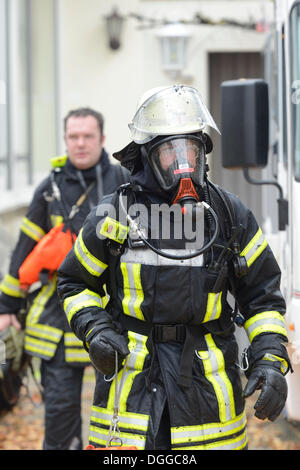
(15, 199)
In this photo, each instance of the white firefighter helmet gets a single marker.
(171, 110)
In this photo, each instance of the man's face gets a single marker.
(178, 149)
(84, 141)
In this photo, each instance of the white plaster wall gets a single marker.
(93, 75)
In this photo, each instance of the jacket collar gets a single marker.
(90, 173)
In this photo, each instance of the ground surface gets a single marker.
(22, 428)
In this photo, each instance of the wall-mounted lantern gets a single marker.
(114, 23)
(173, 39)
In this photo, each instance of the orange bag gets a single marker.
(90, 447)
(48, 254)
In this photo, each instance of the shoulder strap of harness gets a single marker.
(115, 249)
(220, 202)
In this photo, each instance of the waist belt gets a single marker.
(166, 333)
(191, 336)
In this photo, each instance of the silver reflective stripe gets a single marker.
(214, 368)
(76, 355)
(43, 331)
(222, 385)
(135, 420)
(11, 286)
(255, 247)
(200, 432)
(71, 340)
(214, 306)
(226, 444)
(231, 435)
(237, 444)
(40, 301)
(138, 351)
(39, 348)
(32, 230)
(133, 291)
(148, 257)
(263, 324)
(216, 309)
(81, 299)
(100, 436)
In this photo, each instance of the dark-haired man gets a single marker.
(76, 183)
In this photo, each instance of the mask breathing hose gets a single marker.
(136, 228)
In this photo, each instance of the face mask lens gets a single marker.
(175, 159)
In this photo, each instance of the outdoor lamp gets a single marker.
(173, 39)
(114, 23)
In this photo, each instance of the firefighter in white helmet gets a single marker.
(168, 316)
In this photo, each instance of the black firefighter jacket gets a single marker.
(45, 322)
(178, 321)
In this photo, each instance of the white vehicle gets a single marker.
(254, 104)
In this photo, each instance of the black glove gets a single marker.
(273, 390)
(102, 348)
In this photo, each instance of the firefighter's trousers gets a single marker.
(62, 392)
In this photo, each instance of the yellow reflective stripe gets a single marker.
(100, 436)
(273, 358)
(138, 350)
(40, 301)
(214, 367)
(214, 306)
(134, 421)
(40, 347)
(265, 322)
(129, 421)
(11, 286)
(254, 248)
(74, 350)
(70, 339)
(209, 432)
(44, 331)
(56, 220)
(128, 381)
(133, 291)
(76, 355)
(77, 302)
(236, 443)
(32, 230)
(93, 265)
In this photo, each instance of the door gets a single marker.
(232, 66)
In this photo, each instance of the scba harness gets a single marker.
(229, 260)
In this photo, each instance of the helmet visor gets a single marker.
(177, 158)
(174, 110)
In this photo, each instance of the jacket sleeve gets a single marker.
(258, 293)
(81, 280)
(32, 229)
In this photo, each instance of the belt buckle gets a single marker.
(169, 333)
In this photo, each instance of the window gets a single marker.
(295, 80)
(15, 90)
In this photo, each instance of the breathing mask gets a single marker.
(178, 163)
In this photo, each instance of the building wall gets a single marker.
(92, 74)
(71, 65)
